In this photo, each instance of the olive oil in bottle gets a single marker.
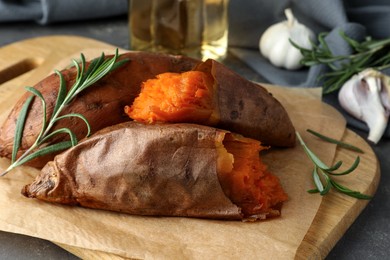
(196, 28)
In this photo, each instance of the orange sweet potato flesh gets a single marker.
(174, 97)
(163, 170)
(213, 95)
(250, 184)
(102, 104)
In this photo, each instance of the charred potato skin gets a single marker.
(101, 104)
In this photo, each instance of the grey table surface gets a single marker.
(367, 238)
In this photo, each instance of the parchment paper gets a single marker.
(178, 238)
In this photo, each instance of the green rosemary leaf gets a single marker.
(334, 167)
(73, 138)
(313, 191)
(74, 87)
(311, 155)
(328, 184)
(44, 123)
(354, 44)
(61, 93)
(329, 60)
(374, 44)
(360, 196)
(35, 92)
(20, 127)
(347, 191)
(332, 73)
(334, 141)
(95, 63)
(323, 44)
(79, 116)
(385, 59)
(78, 69)
(98, 74)
(82, 58)
(44, 151)
(119, 64)
(351, 169)
(317, 180)
(302, 49)
(359, 62)
(329, 88)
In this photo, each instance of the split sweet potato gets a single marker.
(211, 94)
(101, 104)
(163, 170)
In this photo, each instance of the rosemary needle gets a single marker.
(334, 141)
(85, 78)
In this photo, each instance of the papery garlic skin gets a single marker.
(274, 43)
(366, 97)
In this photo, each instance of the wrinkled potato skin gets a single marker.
(102, 104)
(159, 170)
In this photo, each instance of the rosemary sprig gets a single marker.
(85, 78)
(323, 174)
(366, 54)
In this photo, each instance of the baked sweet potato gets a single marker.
(102, 104)
(163, 170)
(213, 95)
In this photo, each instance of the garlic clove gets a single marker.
(273, 32)
(377, 127)
(373, 112)
(292, 56)
(385, 93)
(275, 43)
(362, 96)
(347, 97)
(274, 55)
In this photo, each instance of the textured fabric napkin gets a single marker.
(51, 11)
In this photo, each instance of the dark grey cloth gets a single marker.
(52, 11)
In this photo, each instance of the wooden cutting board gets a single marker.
(29, 61)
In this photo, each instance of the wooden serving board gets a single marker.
(29, 61)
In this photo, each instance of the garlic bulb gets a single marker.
(274, 44)
(366, 97)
